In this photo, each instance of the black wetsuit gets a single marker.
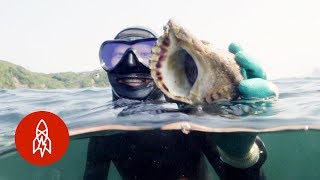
(163, 155)
(154, 154)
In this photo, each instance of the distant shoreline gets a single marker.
(13, 76)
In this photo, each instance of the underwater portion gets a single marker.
(292, 155)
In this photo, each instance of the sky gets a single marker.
(59, 35)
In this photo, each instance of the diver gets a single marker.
(171, 154)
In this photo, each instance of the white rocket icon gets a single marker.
(42, 141)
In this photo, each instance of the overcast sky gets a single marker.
(60, 35)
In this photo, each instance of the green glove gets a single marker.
(239, 149)
(255, 85)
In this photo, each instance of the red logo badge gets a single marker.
(42, 138)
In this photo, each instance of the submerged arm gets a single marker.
(234, 156)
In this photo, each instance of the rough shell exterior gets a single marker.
(218, 73)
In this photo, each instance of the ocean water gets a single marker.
(289, 127)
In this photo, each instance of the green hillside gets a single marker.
(13, 76)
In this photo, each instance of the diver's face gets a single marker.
(130, 78)
(131, 65)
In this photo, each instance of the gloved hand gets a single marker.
(255, 85)
(239, 149)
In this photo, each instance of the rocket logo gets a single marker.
(42, 141)
(42, 138)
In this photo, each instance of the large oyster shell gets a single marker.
(192, 71)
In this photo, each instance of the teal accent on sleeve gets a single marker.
(257, 88)
(234, 48)
(253, 69)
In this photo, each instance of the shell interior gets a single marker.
(178, 69)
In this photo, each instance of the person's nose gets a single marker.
(130, 64)
(131, 60)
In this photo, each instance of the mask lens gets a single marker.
(111, 53)
(143, 49)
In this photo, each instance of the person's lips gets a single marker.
(134, 81)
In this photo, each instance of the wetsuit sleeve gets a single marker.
(97, 165)
(226, 171)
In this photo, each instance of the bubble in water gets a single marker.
(185, 128)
